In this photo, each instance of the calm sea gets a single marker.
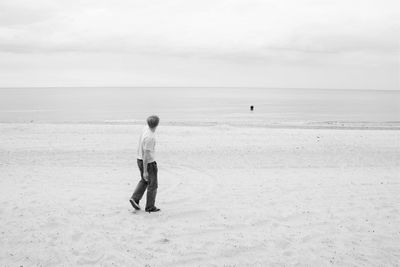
(194, 105)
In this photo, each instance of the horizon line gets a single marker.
(239, 87)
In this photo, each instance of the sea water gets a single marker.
(198, 105)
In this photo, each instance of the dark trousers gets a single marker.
(151, 185)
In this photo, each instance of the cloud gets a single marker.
(224, 27)
(255, 33)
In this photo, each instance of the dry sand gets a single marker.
(233, 196)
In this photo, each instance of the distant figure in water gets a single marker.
(251, 108)
(148, 167)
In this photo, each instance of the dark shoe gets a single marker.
(153, 209)
(134, 204)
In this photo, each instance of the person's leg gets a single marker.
(141, 186)
(152, 186)
(139, 191)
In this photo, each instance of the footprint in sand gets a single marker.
(164, 241)
(76, 236)
(282, 243)
(92, 259)
(52, 223)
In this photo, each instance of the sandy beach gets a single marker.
(230, 196)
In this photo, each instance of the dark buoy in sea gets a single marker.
(251, 108)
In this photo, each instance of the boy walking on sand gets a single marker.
(147, 166)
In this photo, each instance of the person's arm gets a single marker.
(148, 146)
(146, 156)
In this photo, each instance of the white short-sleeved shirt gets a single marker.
(147, 141)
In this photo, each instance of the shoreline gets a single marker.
(328, 125)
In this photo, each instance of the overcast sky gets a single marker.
(267, 43)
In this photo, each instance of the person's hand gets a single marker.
(146, 176)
